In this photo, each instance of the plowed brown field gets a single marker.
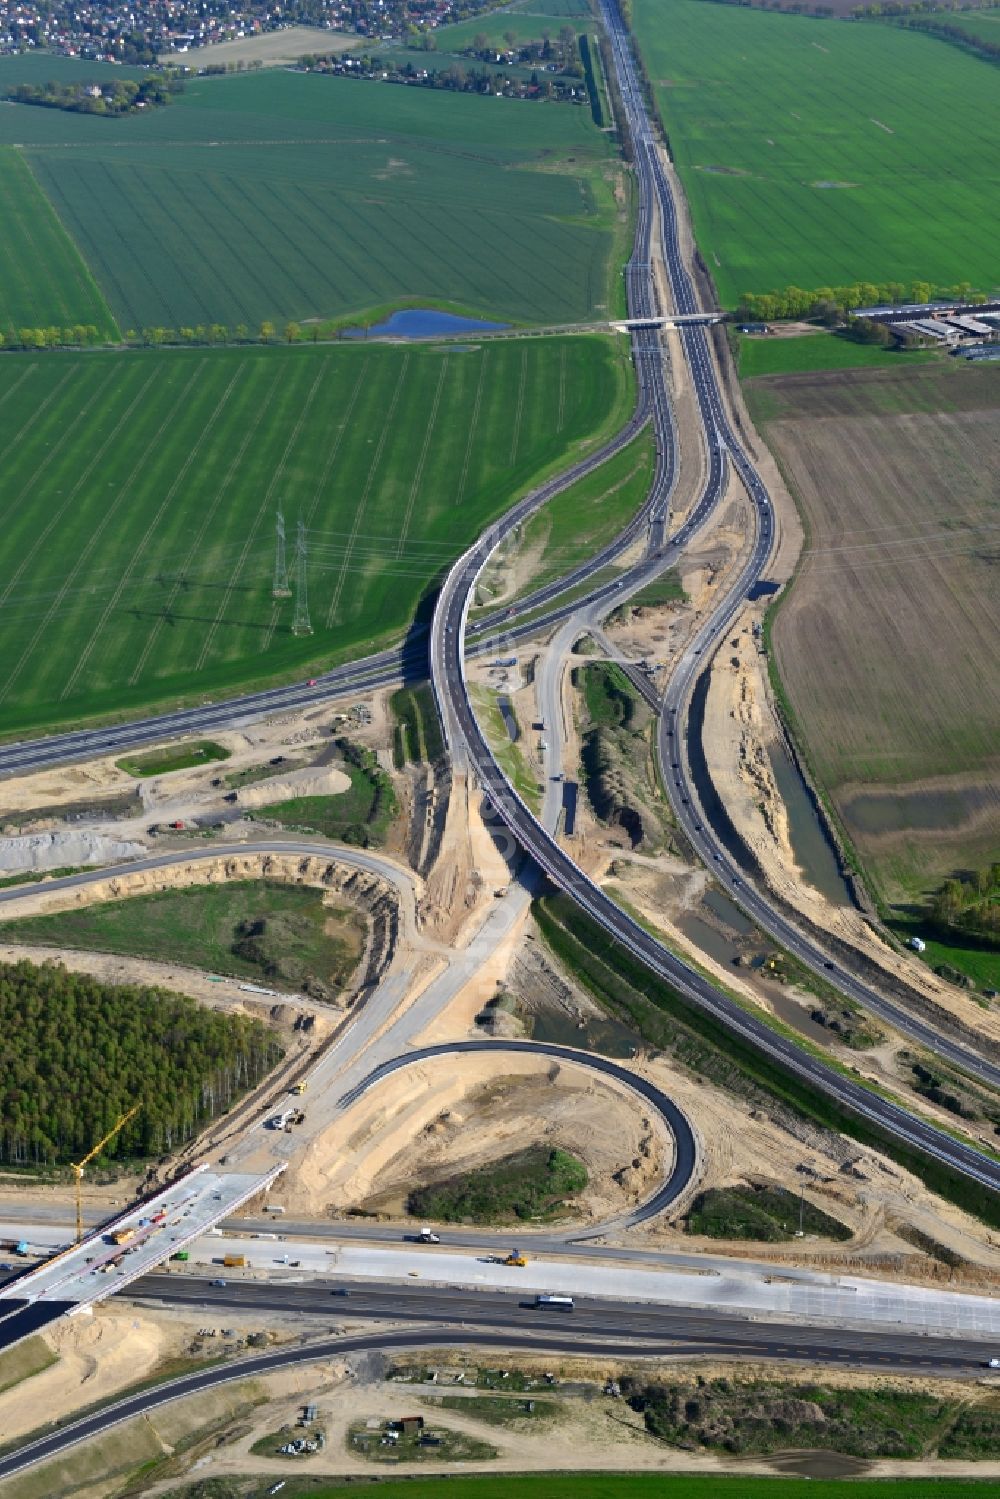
(888, 642)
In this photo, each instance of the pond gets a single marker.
(424, 322)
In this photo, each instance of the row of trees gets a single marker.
(78, 1053)
(83, 336)
(79, 336)
(833, 303)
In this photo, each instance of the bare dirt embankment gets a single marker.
(456, 1114)
(740, 725)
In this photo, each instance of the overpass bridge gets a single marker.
(83, 1274)
(668, 320)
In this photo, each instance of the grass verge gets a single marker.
(530, 1186)
(161, 762)
(417, 732)
(505, 752)
(767, 1214)
(360, 815)
(22, 1361)
(251, 929)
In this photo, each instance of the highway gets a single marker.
(624, 1322)
(468, 744)
(442, 1318)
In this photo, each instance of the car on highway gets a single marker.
(312, 682)
(994, 1363)
(340, 1291)
(221, 1284)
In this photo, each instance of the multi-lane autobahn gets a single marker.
(442, 1316)
(468, 744)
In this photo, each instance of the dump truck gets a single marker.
(299, 1088)
(122, 1235)
(234, 1261)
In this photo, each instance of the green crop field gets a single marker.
(289, 196)
(648, 1486)
(43, 280)
(574, 525)
(52, 67)
(819, 152)
(526, 23)
(820, 351)
(140, 493)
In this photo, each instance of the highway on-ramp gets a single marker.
(674, 1120)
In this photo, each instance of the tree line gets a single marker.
(832, 304)
(84, 336)
(78, 1053)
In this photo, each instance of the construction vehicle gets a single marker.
(234, 1261)
(181, 1254)
(514, 1258)
(299, 1088)
(122, 1235)
(77, 1168)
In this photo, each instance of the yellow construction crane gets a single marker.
(78, 1167)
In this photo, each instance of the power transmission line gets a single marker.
(301, 624)
(281, 590)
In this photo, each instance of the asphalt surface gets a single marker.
(468, 744)
(494, 1320)
(624, 1322)
(685, 1147)
(298, 847)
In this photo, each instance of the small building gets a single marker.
(409, 1426)
(754, 328)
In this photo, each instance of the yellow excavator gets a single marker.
(78, 1167)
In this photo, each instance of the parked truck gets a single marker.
(234, 1261)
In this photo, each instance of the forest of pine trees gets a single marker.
(76, 1053)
